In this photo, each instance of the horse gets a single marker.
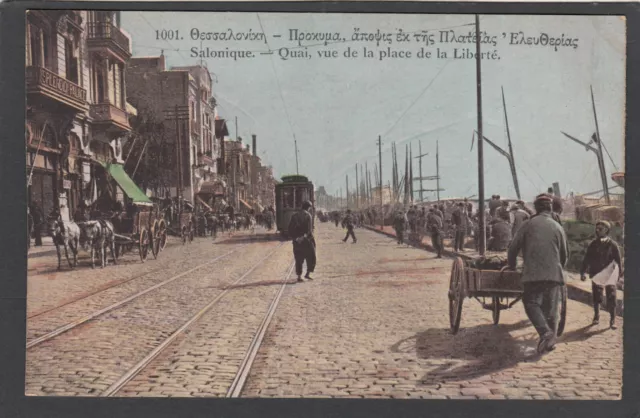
(66, 234)
(97, 235)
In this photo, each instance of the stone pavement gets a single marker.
(577, 289)
(86, 360)
(374, 324)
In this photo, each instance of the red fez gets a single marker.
(543, 198)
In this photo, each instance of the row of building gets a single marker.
(102, 125)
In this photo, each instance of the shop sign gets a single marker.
(66, 184)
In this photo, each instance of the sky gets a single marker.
(336, 108)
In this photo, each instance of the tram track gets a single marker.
(134, 371)
(101, 289)
(235, 390)
(71, 325)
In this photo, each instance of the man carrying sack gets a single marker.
(602, 262)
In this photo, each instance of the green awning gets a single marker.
(126, 184)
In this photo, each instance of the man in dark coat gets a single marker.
(460, 221)
(500, 237)
(348, 223)
(38, 223)
(600, 254)
(304, 245)
(494, 204)
(434, 227)
(400, 222)
(544, 249)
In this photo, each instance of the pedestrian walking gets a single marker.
(434, 228)
(400, 222)
(544, 249)
(304, 245)
(347, 222)
(460, 220)
(38, 223)
(519, 217)
(603, 264)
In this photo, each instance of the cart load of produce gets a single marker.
(492, 262)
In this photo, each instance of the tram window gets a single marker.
(301, 195)
(287, 198)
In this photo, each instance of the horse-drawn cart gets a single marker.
(146, 229)
(502, 287)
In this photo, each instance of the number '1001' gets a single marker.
(167, 35)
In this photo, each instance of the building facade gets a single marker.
(76, 104)
(180, 101)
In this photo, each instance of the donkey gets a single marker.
(95, 237)
(67, 235)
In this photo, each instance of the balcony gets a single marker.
(107, 37)
(113, 118)
(205, 161)
(44, 82)
(195, 127)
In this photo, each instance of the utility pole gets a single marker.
(380, 172)
(362, 187)
(295, 143)
(179, 151)
(603, 172)
(347, 178)
(437, 173)
(357, 202)
(368, 189)
(481, 218)
(411, 173)
(420, 168)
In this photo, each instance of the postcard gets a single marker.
(324, 205)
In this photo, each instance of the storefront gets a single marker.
(42, 181)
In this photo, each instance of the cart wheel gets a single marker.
(184, 235)
(496, 310)
(456, 294)
(563, 311)
(162, 234)
(143, 244)
(155, 241)
(191, 231)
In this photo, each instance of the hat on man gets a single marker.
(544, 197)
(306, 205)
(606, 224)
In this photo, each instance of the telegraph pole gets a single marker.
(347, 178)
(380, 178)
(357, 202)
(437, 173)
(295, 143)
(481, 226)
(179, 151)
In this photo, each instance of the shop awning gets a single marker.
(213, 187)
(248, 206)
(127, 185)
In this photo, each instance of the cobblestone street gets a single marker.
(373, 323)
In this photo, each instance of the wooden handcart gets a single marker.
(503, 289)
(146, 230)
